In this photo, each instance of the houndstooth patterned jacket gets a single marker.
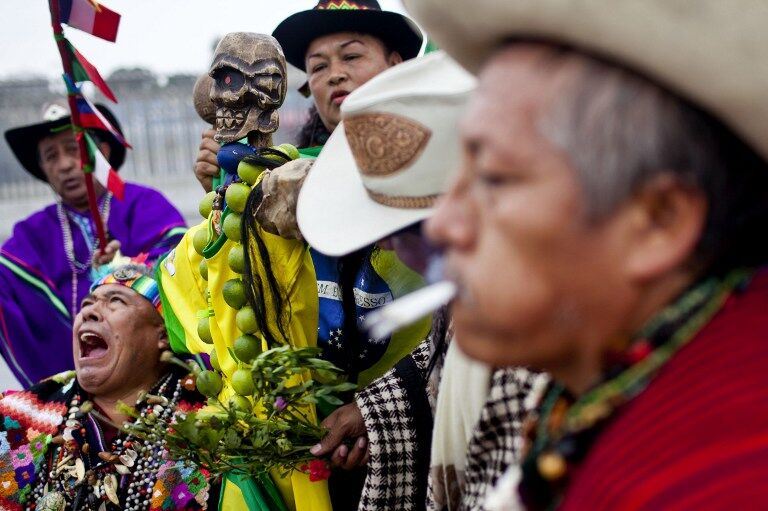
(399, 422)
(497, 438)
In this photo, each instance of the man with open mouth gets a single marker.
(60, 447)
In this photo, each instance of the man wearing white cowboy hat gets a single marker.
(606, 225)
(45, 267)
(386, 165)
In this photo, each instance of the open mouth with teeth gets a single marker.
(228, 119)
(92, 345)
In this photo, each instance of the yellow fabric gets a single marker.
(184, 291)
(232, 498)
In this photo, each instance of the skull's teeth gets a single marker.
(229, 119)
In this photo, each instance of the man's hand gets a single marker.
(206, 165)
(345, 422)
(105, 256)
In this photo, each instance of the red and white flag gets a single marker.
(90, 17)
(103, 171)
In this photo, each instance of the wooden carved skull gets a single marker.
(249, 85)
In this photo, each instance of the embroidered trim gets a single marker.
(403, 202)
(344, 5)
(37, 283)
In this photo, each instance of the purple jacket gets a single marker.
(36, 281)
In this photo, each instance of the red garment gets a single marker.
(697, 437)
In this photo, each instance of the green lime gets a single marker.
(200, 240)
(206, 205)
(214, 359)
(290, 150)
(203, 267)
(248, 172)
(236, 259)
(247, 347)
(234, 293)
(204, 330)
(237, 196)
(240, 403)
(242, 382)
(245, 319)
(231, 226)
(209, 383)
(277, 158)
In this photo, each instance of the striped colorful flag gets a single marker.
(90, 117)
(82, 71)
(90, 17)
(103, 171)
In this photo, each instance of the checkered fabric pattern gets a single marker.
(497, 438)
(399, 424)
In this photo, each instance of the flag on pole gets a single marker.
(90, 117)
(82, 71)
(103, 171)
(94, 19)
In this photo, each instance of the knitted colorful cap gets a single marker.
(133, 275)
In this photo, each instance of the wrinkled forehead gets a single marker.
(253, 53)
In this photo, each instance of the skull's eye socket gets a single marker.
(228, 78)
(270, 84)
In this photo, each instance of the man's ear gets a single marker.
(666, 220)
(394, 58)
(162, 338)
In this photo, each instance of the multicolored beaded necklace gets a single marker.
(79, 480)
(566, 427)
(75, 266)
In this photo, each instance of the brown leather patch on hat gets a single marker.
(383, 144)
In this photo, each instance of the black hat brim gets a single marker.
(297, 31)
(24, 140)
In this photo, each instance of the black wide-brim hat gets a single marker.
(24, 140)
(296, 32)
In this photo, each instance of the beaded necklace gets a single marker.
(566, 427)
(75, 481)
(75, 266)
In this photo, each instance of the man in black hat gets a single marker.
(45, 267)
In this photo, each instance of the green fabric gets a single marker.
(176, 231)
(310, 152)
(259, 495)
(173, 326)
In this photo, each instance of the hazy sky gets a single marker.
(166, 36)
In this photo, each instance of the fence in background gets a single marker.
(158, 120)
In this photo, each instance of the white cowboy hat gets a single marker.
(392, 155)
(713, 52)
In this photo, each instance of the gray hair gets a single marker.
(621, 130)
